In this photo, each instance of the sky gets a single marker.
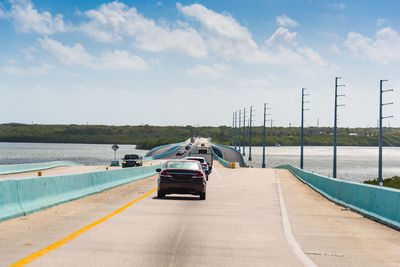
(197, 62)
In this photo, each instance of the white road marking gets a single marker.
(288, 230)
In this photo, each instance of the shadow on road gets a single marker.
(177, 198)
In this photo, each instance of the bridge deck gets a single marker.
(240, 224)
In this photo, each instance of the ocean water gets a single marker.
(353, 163)
(87, 154)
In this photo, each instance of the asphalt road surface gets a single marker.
(251, 217)
(231, 155)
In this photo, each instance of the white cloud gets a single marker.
(380, 21)
(27, 71)
(212, 72)
(121, 60)
(114, 21)
(285, 21)
(311, 55)
(76, 55)
(281, 35)
(384, 49)
(27, 19)
(226, 38)
(337, 5)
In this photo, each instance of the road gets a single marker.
(231, 155)
(252, 217)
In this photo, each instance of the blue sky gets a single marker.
(194, 63)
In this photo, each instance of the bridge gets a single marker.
(252, 217)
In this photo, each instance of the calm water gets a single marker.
(87, 154)
(353, 163)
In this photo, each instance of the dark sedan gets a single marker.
(182, 177)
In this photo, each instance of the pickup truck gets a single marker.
(131, 160)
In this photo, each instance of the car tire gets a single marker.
(207, 177)
(203, 196)
(160, 195)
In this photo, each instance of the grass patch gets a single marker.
(393, 182)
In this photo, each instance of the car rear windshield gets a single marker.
(182, 165)
(131, 157)
(198, 159)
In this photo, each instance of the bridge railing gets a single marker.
(22, 196)
(18, 168)
(378, 203)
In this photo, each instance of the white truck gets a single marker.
(205, 152)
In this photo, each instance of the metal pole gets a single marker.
(335, 126)
(251, 118)
(302, 128)
(233, 126)
(381, 91)
(265, 115)
(244, 131)
(380, 182)
(240, 116)
(335, 131)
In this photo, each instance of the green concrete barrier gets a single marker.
(223, 162)
(234, 149)
(169, 151)
(9, 202)
(378, 203)
(17, 168)
(27, 195)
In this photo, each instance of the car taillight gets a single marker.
(198, 175)
(204, 164)
(165, 174)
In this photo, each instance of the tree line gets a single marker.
(147, 136)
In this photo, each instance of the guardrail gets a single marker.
(22, 196)
(237, 151)
(223, 162)
(17, 168)
(378, 203)
(169, 151)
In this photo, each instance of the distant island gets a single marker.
(147, 136)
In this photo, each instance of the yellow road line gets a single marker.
(66, 239)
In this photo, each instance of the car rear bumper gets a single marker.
(182, 188)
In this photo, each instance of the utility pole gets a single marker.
(265, 118)
(244, 131)
(240, 116)
(233, 130)
(250, 123)
(381, 91)
(235, 113)
(302, 125)
(335, 125)
(264, 141)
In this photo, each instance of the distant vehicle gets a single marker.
(180, 152)
(192, 140)
(203, 163)
(205, 152)
(188, 147)
(131, 160)
(182, 177)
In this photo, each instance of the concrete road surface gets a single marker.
(251, 217)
